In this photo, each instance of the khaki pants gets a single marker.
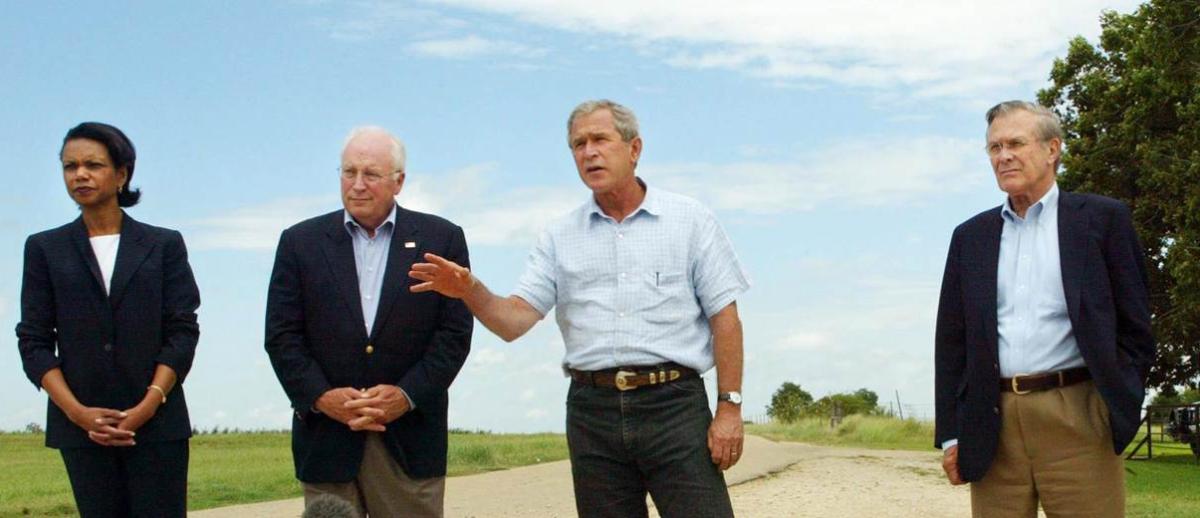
(1055, 447)
(382, 489)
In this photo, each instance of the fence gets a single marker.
(1169, 425)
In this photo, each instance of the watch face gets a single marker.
(732, 397)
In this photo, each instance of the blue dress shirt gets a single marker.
(370, 259)
(638, 292)
(1035, 330)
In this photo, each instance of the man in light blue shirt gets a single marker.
(645, 284)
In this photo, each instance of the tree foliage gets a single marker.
(1131, 110)
(789, 403)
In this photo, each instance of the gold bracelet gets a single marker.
(161, 392)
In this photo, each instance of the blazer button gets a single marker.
(996, 409)
(370, 348)
(107, 347)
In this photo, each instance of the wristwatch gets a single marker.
(732, 397)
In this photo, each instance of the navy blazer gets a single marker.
(317, 341)
(1104, 280)
(108, 345)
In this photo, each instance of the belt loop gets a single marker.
(1061, 379)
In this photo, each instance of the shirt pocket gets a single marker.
(667, 297)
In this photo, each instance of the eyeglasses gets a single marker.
(368, 177)
(1013, 146)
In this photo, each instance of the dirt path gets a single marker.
(772, 480)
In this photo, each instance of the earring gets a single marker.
(120, 189)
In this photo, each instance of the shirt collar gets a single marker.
(353, 226)
(1048, 203)
(650, 203)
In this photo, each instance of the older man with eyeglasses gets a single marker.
(1043, 337)
(365, 362)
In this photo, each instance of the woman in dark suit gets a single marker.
(108, 330)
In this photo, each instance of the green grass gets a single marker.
(859, 431)
(238, 468)
(1166, 487)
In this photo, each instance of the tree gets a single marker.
(789, 403)
(1131, 111)
(861, 401)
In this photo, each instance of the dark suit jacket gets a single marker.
(108, 345)
(317, 341)
(1104, 280)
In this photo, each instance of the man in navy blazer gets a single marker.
(365, 362)
(1043, 339)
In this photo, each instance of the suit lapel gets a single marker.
(395, 274)
(132, 251)
(79, 237)
(990, 260)
(1072, 241)
(340, 256)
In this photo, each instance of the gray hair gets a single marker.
(398, 153)
(1048, 124)
(623, 118)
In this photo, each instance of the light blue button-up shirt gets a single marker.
(1035, 331)
(370, 259)
(637, 292)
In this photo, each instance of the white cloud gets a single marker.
(933, 48)
(872, 172)
(536, 413)
(473, 46)
(255, 227)
(486, 358)
(367, 20)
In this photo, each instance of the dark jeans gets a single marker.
(147, 480)
(654, 439)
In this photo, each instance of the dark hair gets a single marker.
(120, 151)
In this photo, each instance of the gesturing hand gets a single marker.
(102, 426)
(725, 438)
(443, 276)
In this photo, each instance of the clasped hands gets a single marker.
(108, 427)
(366, 409)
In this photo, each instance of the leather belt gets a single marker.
(629, 378)
(1026, 383)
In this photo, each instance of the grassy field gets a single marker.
(253, 467)
(238, 468)
(1166, 487)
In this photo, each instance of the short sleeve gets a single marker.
(537, 285)
(717, 274)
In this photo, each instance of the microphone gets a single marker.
(329, 506)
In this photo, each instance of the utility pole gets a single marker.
(899, 408)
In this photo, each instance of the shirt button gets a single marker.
(370, 348)
(620, 235)
(622, 314)
(107, 347)
(368, 297)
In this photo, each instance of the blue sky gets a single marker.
(839, 143)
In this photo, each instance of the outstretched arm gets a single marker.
(507, 317)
